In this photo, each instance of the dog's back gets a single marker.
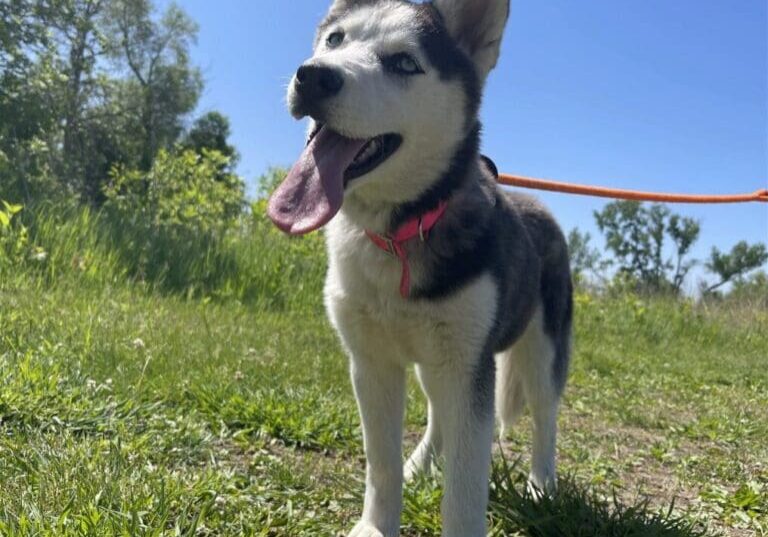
(555, 288)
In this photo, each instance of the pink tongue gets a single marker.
(313, 191)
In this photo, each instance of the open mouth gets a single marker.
(313, 191)
(373, 154)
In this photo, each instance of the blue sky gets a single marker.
(652, 94)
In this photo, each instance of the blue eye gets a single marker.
(407, 64)
(403, 64)
(335, 39)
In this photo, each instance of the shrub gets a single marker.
(184, 190)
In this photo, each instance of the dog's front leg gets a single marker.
(380, 390)
(462, 399)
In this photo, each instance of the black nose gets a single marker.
(314, 82)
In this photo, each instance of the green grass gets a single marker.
(249, 262)
(138, 404)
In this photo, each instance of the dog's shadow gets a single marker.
(576, 511)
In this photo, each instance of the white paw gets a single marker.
(365, 529)
(414, 468)
(422, 462)
(540, 487)
(410, 473)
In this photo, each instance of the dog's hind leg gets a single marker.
(430, 447)
(510, 397)
(527, 368)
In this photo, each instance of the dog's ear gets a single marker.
(339, 7)
(478, 26)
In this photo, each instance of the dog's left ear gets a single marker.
(478, 26)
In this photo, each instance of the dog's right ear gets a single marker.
(477, 25)
(339, 7)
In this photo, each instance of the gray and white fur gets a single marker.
(488, 319)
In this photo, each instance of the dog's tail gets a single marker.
(510, 397)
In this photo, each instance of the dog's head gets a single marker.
(393, 89)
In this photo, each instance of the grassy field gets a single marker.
(130, 407)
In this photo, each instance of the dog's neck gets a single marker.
(461, 169)
(462, 175)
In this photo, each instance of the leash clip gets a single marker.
(421, 230)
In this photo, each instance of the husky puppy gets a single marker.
(430, 262)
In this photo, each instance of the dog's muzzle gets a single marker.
(314, 84)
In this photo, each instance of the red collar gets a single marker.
(418, 226)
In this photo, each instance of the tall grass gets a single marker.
(249, 261)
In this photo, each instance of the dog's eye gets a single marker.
(403, 64)
(335, 39)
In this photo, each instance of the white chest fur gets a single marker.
(362, 296)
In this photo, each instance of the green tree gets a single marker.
(584, 258)
(683, 232)
(29, 85)
(75, 28)
(21, 34)
(88, 85)
(736, 264)
(637, 234)
(164, 85)
(211, 131)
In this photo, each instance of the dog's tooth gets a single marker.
(368, 152)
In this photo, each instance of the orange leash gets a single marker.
(635, 195)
